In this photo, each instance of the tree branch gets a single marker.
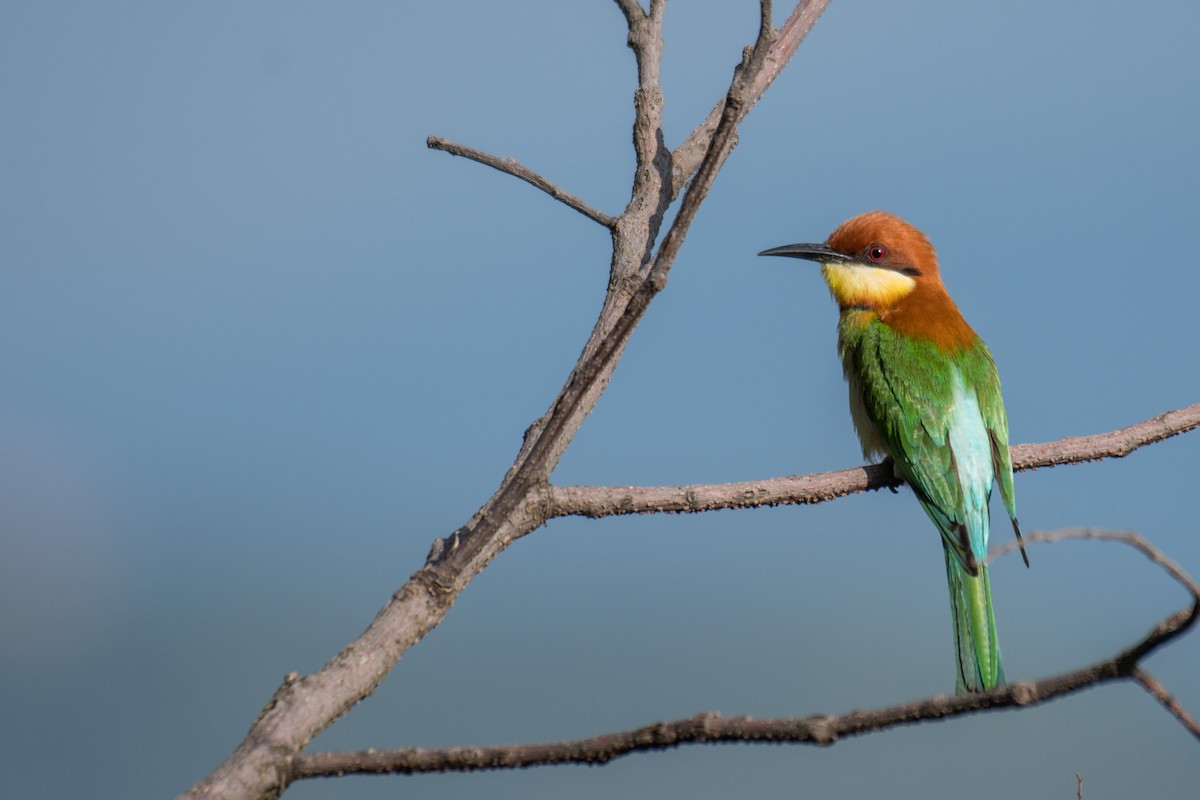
(605, 501)
(1114, 444)
(1160, 693)
(632, 10)
(512, 167)
(690, 152)
(822, 729)
(266, 760)
(303, 706)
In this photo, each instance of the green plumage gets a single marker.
(939, 416)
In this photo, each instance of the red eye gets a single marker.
(877, 252)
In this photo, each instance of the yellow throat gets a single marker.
(870, 287)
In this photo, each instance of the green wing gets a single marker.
(987, 387)
(919, 399)
(940, 418)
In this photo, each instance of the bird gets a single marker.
(924, 394)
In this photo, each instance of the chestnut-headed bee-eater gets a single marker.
(924, 392)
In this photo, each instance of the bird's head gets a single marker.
(872, 261)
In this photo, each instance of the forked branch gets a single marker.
(271, 755)
(304, 705)
(821, 729)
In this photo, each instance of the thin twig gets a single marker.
(766, 26)
(512, 167)
(817, 729)
(718, 150)
(1160, 693)
(687, 156)
(605, 501)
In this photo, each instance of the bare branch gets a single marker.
(688, 154)
(820, 729)
(605, 501)
(1160, 693)
(718, 150)
(766, 25)
(632, 10)
(266, 760)
(1127, 538)
(303, 706)
(512, 167)
(1114, 444)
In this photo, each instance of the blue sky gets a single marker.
(261, 346)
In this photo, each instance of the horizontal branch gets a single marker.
(513, 167)
(604, 501)
(820, 729)
(1114, 444)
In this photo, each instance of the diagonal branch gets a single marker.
(1160, 693)
(512, 167)
(688, 154)
(632, 10)
(305, 705)
(737, 101)
(821, 729)
(514, 510)
(605, 501)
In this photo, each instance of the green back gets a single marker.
(906, 389)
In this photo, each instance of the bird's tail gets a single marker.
(976, 645)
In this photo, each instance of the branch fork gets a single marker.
(821, 729)
(271, 755)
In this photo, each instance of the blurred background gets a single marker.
(259, 346)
